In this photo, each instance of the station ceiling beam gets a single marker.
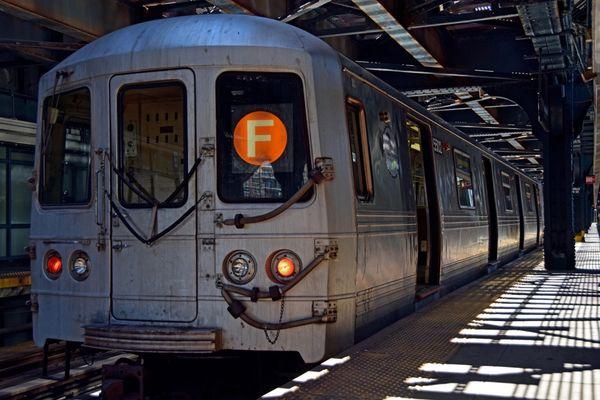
(382, 17)
(469, 108)
(500, 127)
(230, 7)
(449, 72)
(83, 20)
(305, 8)
(39, 44)
(459, 20)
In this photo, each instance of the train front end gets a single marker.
(184, 193)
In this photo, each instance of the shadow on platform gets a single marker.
(523, 333)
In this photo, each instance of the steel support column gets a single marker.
(557, 139)
(559, 244)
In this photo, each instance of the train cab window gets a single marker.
(359, 150)
(464, 179)
(529, 198)
(506, 188)
(262, 137)
(158, 166)
(65, 153)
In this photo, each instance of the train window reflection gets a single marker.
(262, 138)
(416, 162)
(66, 149)
(157, 166)
(464, 179)
(528, 197)
(506, 188)
(359, 150)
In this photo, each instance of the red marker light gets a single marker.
(286, 267)
(54, 265)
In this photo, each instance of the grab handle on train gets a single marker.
(322, 172)
(100, 201)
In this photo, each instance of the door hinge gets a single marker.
(33, 304)
(119, 245)
(207, 150)
(208, 243)
(31, 251)
(327, 310)
(33, 180)
(207, 202)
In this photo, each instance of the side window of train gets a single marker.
(65, 154)
(262, 137)
(417, 164)
(529, 198)
(359, 150)
(506, 188)
(152, 141)
(464, 179)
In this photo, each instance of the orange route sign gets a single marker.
(259, 137)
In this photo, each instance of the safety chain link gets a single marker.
(274, 340)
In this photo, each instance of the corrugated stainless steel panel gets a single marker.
(152, 339)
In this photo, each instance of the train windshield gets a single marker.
(262, 138)
(152, 132)
(65, 151)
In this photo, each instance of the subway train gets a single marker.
(220, 182)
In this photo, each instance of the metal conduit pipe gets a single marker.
(266, 325)
(238, 310)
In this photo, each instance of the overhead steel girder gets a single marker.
(83, 20)
(382, 17)
(447, 72)
(305, 8)
(230, 7)
(460, 20)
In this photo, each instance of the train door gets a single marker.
(521, 216)
(537, 214)
(428, 217)
(152, 191)
(492, 211)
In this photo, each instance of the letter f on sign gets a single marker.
(253, 137)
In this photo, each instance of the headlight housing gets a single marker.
(283, 266)
(79, 265)
(239, 267)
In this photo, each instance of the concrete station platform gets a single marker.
(522, 332)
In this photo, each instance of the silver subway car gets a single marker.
(222, 182)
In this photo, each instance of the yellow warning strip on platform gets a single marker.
(7, 282)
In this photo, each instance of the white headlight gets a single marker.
(79, 265)
(239, 267)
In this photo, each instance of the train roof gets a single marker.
(198, 31)
(163, 43)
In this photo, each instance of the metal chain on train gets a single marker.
(267, 335)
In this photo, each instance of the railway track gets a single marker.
(21, 373)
